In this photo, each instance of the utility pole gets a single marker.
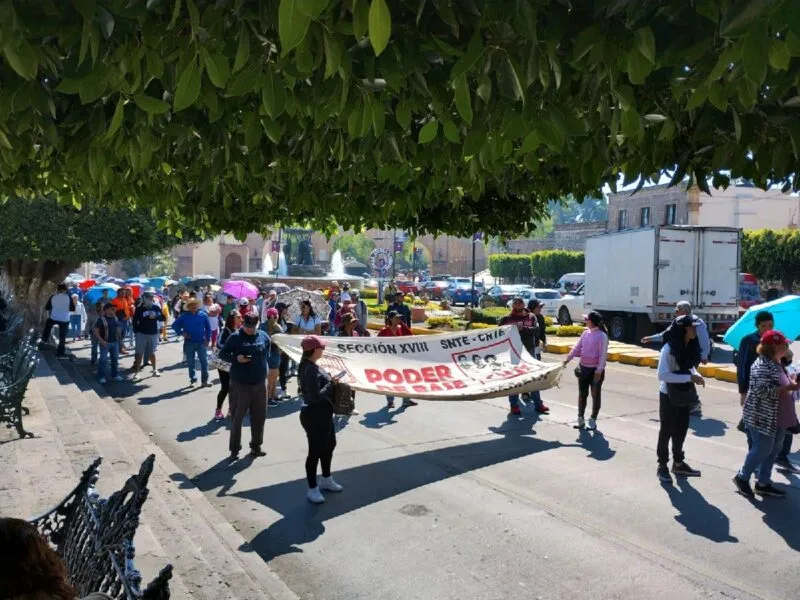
(278, 258)
(475, 239)
(394, 254)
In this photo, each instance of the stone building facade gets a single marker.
(571, 236)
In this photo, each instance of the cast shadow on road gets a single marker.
(202, 430)
(285, 408)
(697, 515)
(147, 400)
(364, 485)
(783, 515)
(705, 428)
(596, 443)
(382, 417)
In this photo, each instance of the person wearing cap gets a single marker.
(230, 305)
(273, 327)
(145, 327)
(390, 292)
(680, 356)
(684, 308)
(269, 300)
(528, 328)
(213, 310)
(123, 304)
(402, 308)
(283, 368)
(196, 331)
(107, 332)
(769, 387)
(245, 307)
(248, 352)
(360, 310)
(345, 295)
(58, 307)
(316, 416)
(396, 328)
(592, 348)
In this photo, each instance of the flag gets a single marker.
(477, 237)
(398, 246)
(276, 246)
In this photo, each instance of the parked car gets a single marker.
(439, 277)
(570, 282)
(571, 307)
(749, 292)
(499, 295)
(462, 293)
(408, 287)
(434, 289)
(549, 297)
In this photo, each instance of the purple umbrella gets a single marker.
(240, 289)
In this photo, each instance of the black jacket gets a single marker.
(747, 356)
(142, 323)
(404, 311)
(316, 387)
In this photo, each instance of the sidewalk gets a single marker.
(72, 425)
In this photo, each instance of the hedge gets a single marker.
(511, 267)
(492, 316)
(475, 325)
(545, 264)
(437, 322)
(569, 330)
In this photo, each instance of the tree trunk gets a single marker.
(27, 284)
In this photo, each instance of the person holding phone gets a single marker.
(248, 351)
(316, 416)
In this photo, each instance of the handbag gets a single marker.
(343, 402)
(215, 362)
(682, 394)
(578, 372)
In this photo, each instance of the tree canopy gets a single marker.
(430, 116)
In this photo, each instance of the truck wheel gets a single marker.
(617, 328)
(564, 316)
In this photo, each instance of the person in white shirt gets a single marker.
(77, 318)
(307, 322)
(58, 307)
(213, 310)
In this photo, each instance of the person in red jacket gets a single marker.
(395, 328)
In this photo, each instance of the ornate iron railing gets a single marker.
(94, 537)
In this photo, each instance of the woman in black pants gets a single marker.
(232, 324)
(316, 417)
(283, 369)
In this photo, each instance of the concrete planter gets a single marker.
(418, 314)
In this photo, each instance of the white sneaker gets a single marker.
(101, 380)
(591, 424)
(119, 378)
(581, 423)
(329, 485)
(156, 373)
(315, 496)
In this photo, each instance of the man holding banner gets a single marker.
(527, 325)
(396, 328)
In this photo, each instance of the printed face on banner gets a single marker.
(492, 362)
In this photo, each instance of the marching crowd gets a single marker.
(253, 371)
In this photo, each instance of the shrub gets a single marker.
(569, 330)
(548, 321)
(552, 264)
(420, 302)
(490, 316)
(408, 299)
(376, 310)
(368, 294)
(440, 322)
(475, 325)
(551, 330)
(511, 267)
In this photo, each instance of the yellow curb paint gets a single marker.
(708, 370)
(726, 374)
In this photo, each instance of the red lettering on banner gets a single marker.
(372, 375)
(435, 388)
(419, 388)
(428, 375)
(412, 376)
(392, 376)
(443, 372)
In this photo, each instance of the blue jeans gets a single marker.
(190, 348)
(111, 349)
(74, 325)
(390, 399)
(124, 325)
(535, 397)
(95, 345)
(761, 456)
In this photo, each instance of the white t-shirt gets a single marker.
(59, 305)
(345, 296)
(307, 324)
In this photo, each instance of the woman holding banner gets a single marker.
(396, 328)
(316, 417)
(592, 349)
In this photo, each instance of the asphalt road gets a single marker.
(456, 500)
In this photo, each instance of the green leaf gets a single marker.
(638, 67)
(451, 132)
(380, 25)
(428, 131)
(508, 80)
(245, 81)
(779, 57)
(474, 141)
(86, 8)
(106, 21)
(176, 12)
(403, 115)
(292, 25)
(698, 97)
(472, 56)
(4, 141)
(737, 124)
(243, 50)
(150, 105)
(667, 130)
(645, 43)
(312, 8)
(166, 167)
(252, 130)
(360, 18)
(333, 54)
(188, 89)
(194, 16)
(754, 55)
(742, 15)
(531, 142)
(484, 88)
(354, 121)
(273, 94)
(463, 101)
(378, 118)
(22, 59)
(116, 120)
(217, 67)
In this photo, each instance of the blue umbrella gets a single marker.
(158, 282)
(142, 280)
(96, 292)
(786, 311)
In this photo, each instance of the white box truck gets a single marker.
(635, 278)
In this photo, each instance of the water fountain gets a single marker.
(337, 265)
(283, 268)
(267, 266)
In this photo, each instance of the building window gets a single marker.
(623, 220)
(644, 214)
(255, 264)
(669, 215)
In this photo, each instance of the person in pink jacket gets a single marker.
(592, 349)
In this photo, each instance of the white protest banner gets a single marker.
(469, 365)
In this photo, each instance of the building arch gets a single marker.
(233, 264)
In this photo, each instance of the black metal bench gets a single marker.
(17, 366)
(94, 537)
